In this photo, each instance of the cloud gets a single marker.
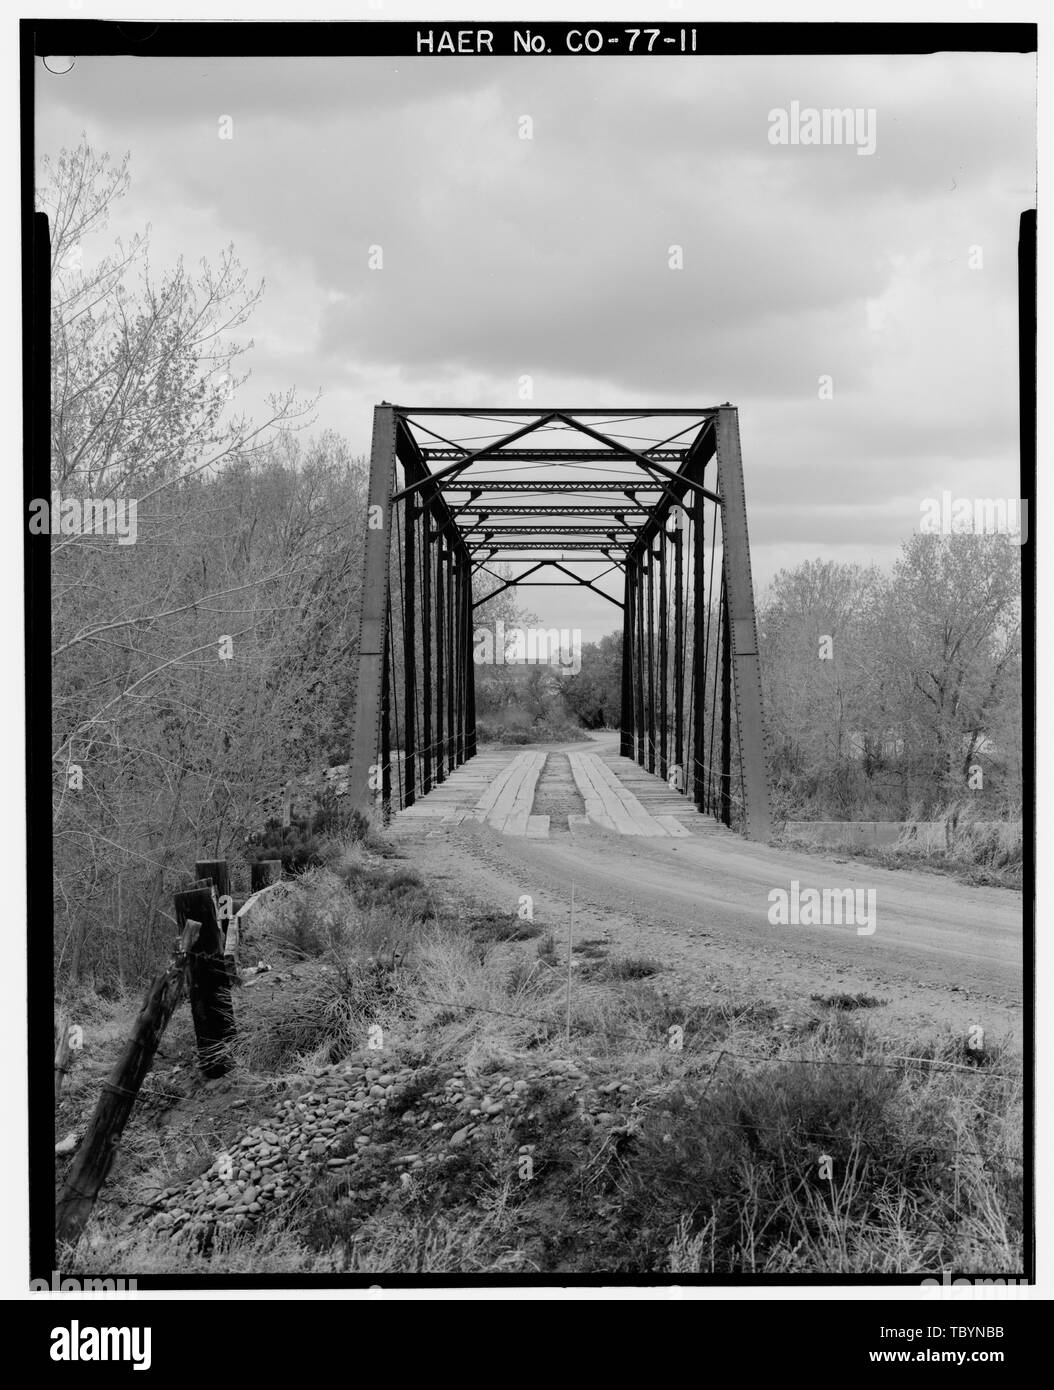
(550, 256)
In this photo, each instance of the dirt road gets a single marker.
(942, 953)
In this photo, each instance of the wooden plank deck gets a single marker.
(608, 803)
(498, 787)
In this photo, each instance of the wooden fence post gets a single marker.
(264, 872)
(98, 1148)
(219, 871)
(208, 984)
(62, 1054)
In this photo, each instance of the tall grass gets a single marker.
(745, 1138)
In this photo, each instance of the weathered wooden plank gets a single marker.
(515, 822)
(98, 1148)
(641, 817)
(490, 796)
(602, 807)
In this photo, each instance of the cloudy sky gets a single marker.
(548, 257)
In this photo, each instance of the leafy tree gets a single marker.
(594, 694)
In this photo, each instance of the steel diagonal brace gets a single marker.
(646, 463)
(486, 452)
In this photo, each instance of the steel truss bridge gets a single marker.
(642, 507)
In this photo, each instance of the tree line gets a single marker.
(198, 671)
(887, 695)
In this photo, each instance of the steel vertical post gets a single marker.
(409, 652)
(440, 662)
(746, 667)
(664, 657)
(726, 711)
(698, 652)
(651, 661)
(386, 737)
(470, 671)
(427, 691)
(451, 692)
(678, 654)
(638, 663)
(626, 710)
(371, 648)
(459, 659)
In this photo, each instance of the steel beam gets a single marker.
(459, 662)
(698, 778)
(651, 660)
(440, 659)
(678, 656)
(470, 671)
(488, 451)
(578, 579)
(409, 578)
(610, 455)
(567, 545)
(664, 658)
(541, 509)
(626, 697)
(725, 796)
(368, 666)
(450, 692)
(508, 584)
(648, 412)
(650, 466)
(625, 487)
(507, 533)
(638, 665)
(746, 667)
(386, 733)
(427, 688)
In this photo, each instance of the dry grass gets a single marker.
(715, 1165)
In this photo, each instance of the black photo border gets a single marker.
(375, 38)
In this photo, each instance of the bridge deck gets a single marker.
(498, 787)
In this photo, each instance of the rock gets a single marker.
(269, 1136)
(460, 1135)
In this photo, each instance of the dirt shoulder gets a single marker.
(943, 954)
